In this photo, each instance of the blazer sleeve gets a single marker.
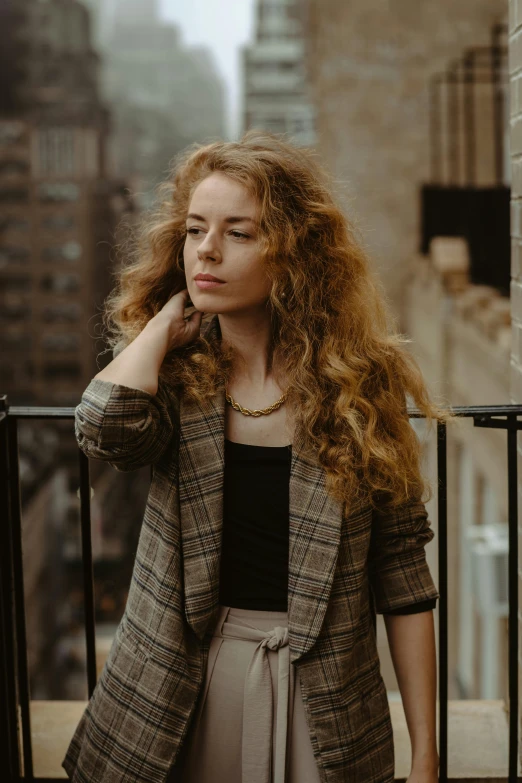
(398, 572)
(127, 427)
(421, 606)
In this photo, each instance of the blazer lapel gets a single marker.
(201, 475)
(315, 523)
(315, 530)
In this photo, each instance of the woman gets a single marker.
(285, 504)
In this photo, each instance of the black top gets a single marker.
(255, 545)
(254, 555)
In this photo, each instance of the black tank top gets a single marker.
(254, 550)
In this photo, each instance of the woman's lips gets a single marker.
(208, 283)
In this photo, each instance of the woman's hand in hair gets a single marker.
(181, 330)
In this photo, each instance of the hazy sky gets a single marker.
(223, 26)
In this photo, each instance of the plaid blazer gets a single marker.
(341, 571)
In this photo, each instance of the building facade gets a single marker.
(59, 209)
(275, 93)
(369, 68)
(164, 95)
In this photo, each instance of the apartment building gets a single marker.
(275, 93)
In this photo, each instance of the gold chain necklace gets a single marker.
(259, 412)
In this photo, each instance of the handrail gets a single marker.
(14, 681)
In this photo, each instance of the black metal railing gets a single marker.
(14, 679)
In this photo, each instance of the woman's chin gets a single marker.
(206, 305)
(206, 302)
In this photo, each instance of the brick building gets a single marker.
(369, 65)
(275, 92)
(59, 208)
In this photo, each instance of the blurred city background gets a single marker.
(412, 107)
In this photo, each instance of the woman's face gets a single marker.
(223, 240)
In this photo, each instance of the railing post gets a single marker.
(8, 647)
(442, 536)
(15, 524)
(88, 573)
(512, 430)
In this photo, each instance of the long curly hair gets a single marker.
(349, 372)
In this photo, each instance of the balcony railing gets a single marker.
(15, 697)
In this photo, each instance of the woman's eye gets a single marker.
(238, 234)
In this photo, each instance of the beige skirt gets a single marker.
(250, 725)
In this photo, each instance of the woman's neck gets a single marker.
(249, 335)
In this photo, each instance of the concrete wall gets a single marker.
(369, 64)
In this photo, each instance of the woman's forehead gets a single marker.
(217, 194)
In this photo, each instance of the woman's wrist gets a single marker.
(426, 760)
(137, 366)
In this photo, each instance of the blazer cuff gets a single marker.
(126, 426)
(105, 407)
(399, 574)
(416, 608)
(408, 581)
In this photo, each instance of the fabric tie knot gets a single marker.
(278, 638)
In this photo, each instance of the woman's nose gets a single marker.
(209, 249)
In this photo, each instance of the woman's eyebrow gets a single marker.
(231, 219)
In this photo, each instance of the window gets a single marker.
(14, 223)
(58, 222)
(58, 191)
(7, 372)
(275, 124)
(60, 283)
(64, 312)
(18, 341)
(12, 255)
(14, 311)
(55, 146)
(70, 251)
(61, 342)
(15, 283)
(12, 133)
(10, 167)
(298, 125)
(275, 67)
(61, 371)
(14, 195)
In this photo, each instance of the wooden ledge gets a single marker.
(477, 730)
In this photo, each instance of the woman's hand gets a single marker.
(172, 316)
